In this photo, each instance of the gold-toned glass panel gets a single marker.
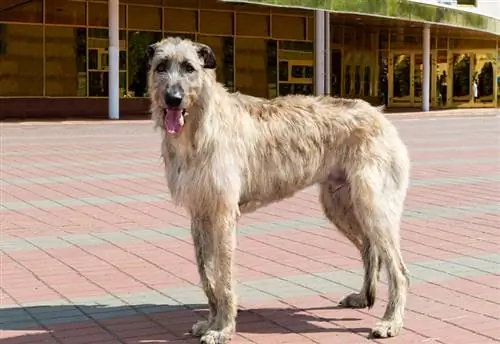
(483, 81)
(144, 2)
(498, 76)
(21, 56)
(223, 49)
(98, 14)
(182, 3)
(383, 75)
(65, 62)
(180, 20)
(442, 78)
(383, 40)
(401, 82)
(21, 11)
(442, 42)
(461, 78)
(217, 22)
(310, 28)
(65, 12)
(190, 36)
(99, 83)
(144, 18)
(288, 27)
(336, 34)
(253, 25)
(138, 63)
(408, 40)
(251, 66)
(460, 43)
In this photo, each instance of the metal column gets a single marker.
(319, 52)
(114, 59)
(328, 55)
(426, 62)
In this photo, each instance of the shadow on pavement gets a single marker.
(147, 323)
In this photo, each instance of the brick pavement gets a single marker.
(93, 251)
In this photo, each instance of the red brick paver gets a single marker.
(94, 252)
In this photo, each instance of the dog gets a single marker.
(227, 154)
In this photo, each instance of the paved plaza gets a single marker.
(94, 252)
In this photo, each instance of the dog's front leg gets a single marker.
(224, 324)
(203, 239)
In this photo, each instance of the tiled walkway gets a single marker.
(93, 251)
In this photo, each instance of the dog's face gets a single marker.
(178, 71)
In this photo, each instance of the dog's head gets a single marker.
(179, 70)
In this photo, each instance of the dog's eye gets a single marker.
(188, 68)
(161, 67)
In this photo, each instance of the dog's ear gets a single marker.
(207, 55)
(150, 51)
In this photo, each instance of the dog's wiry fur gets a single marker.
(237, 153)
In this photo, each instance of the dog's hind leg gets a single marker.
(203, 239)
(377, 199)
(223, 227)
(338, 208)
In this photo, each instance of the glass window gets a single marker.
(223, 49)
(190, 36)
(288, 27)
(216, 22)
(255, 25)
(21, 11)
(144, 18)
(65, 62)
(180, 20)
(64, 12)
(251, 66)
(184, 3)
(98, 14)
(21, 66)
(138, 61)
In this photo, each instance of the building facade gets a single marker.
(54, 55)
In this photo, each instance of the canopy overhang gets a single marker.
(419, 11)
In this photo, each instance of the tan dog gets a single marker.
(227, 154)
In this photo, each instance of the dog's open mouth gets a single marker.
(174, 120)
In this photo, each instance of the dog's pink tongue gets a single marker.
(173, 121)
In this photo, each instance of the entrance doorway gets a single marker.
(473, 81)
(405, 79)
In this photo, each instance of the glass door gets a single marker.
(400, 91)
(483, 82)
(462, 83)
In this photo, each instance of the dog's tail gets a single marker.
(372, 264)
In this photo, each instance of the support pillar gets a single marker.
(114, 60)
(319, 52)
(328, 54)
(426, 62)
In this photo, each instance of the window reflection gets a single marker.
(484, 77)
(138, 63)
(65, 61)
(223, 49)
(401, 81)
(21, 11)
(21, 69)
(461, 77)
(251, 66)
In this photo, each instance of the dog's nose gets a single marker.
(173, 99)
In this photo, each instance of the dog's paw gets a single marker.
(354, 300)
(215, 337)
(385, 329)
(200, 328)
